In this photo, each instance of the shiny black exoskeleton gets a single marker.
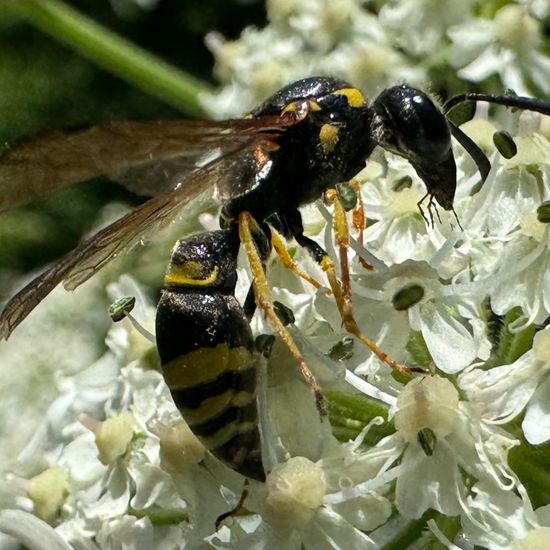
(207, 352)
(306, 138)
(407, 122)
(308, 161)
(332, 142)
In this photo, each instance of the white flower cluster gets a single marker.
(446, 456)
(377, 44)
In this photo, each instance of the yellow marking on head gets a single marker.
(189, 273)
(355, 97)
(214, 406)
(205, 364)
(293, 106)
(328, 137)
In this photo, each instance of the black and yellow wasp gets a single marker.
(295, 147)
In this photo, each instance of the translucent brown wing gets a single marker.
(92, 254)
(147, 157)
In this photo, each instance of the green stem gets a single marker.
(349, 414)
(114, 53)
(160, 516)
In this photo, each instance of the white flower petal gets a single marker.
(337, 531)
(434, 483)
(502, 392)
(450, 344)
(536, 424)
(30, 531)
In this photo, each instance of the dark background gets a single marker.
(45, 85)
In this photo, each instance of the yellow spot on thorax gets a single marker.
(355, 97)
(328, 136)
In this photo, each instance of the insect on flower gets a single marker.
(294, 148)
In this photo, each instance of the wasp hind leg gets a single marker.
(264, 300)
(239, 507)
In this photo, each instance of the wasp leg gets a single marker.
(341, 231)
(341, 291)
(264, 300)
(289, 262)
(249, 306)
(359, 219)
(236, 510)
(263, 245)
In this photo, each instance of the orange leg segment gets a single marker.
(342, 291)
(265, 302)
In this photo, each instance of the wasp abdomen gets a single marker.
(207, 353)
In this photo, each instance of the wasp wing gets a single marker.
(92, 254)
(146, 157)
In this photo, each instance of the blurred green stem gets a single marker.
(114, 53)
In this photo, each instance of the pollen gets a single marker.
(295, 492)
(536, 539)
(48, 491)
(113, 436)
(179, 447)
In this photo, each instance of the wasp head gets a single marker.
(407, 123)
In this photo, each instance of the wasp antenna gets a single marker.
(471, 147)
(509, 100)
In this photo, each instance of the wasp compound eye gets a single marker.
(413, 124)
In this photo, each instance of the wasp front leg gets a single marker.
(342, 290)
(359, 220)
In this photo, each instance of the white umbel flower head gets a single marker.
(295, 492)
